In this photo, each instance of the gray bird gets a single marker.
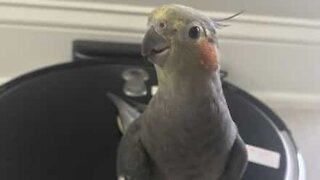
(186, 131)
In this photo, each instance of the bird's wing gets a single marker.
(127, 114)
(132, 160)
(237, 162)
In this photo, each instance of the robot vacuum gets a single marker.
(57, 122)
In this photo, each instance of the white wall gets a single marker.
(274, 58)
(284, 8)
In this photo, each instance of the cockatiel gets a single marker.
(186, 132)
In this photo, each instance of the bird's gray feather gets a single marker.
(132, 160)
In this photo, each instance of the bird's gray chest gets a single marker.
(187, 136)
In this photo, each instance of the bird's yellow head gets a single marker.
(180, 38)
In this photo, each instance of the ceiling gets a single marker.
(286, 8)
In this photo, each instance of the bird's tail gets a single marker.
(127, 113)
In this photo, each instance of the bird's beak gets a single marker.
(155, 47)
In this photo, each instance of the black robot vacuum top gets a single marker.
(57, 123)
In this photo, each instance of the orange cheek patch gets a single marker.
(209, 55)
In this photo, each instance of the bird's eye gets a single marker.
(162, 25)
(194, 32)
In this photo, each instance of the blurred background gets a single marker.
(272, 51)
